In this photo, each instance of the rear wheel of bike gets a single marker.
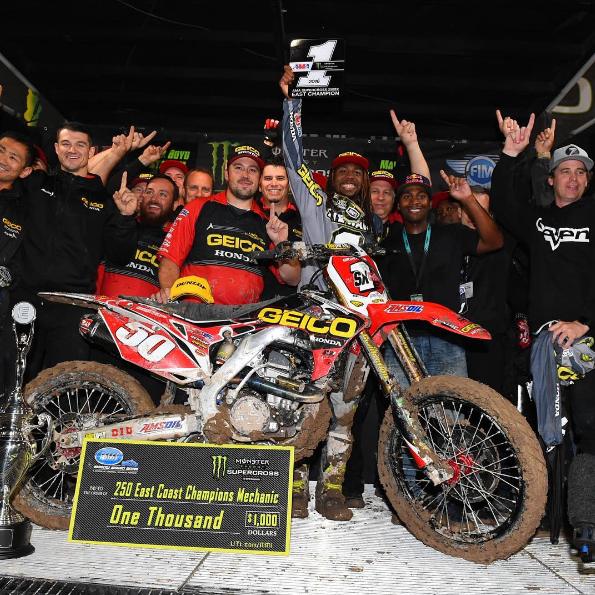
(496, 498)
(75, 395)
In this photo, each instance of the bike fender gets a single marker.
(437, 315)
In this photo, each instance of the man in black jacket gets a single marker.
(17, 155)
(71, 224)
(562, 285)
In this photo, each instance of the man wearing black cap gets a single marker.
(426, 267)
(562, 283)
(213, 238)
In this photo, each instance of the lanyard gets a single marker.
(424, 257)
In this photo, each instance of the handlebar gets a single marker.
(303, 251)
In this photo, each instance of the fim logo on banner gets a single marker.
(477, 169)
(219, 466)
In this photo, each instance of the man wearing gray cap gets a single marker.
(561, 239)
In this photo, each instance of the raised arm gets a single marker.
(544, 142)
(408, 136)
(504, 202)
(490, 236)
(306, 192)
(121, 144)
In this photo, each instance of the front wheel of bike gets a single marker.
(494, 502)
(76, 395)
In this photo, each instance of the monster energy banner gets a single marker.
(184, 496)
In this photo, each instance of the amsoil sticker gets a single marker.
(184, 496)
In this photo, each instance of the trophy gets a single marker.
(17, 446)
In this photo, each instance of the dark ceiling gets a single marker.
(213, 66)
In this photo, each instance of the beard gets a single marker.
(243, 193)
(154, 218)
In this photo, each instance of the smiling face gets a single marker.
(569, 181)
(414, 205)
(348, 179)
(13, 159)
(274, 186)
(198, 185)
(242, 177)
(157, 203)
(382, 195)
(74, 150)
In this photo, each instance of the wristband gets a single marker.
(544, 155)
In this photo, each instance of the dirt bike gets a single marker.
(459, 464)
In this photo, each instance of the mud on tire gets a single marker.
(495, 501)
(73, 393)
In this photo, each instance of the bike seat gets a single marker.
(197, 312)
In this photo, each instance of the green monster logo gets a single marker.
(219, 466)
(219, 170)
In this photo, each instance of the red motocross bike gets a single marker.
(459, 463)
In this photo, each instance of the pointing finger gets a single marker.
(124, 181)
(147, 138)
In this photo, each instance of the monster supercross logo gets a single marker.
(564, 234)
(219, 466)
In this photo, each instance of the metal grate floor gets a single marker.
(368, 554)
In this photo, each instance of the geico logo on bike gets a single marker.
(216, 239)
(150, 428)
(340, 327)
(146, 256)
(11, 225)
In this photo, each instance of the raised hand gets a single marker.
(458, 188)
(545, 140)
(124, 198)
(517, 140)
(139, 140)
(405, 130)
(506, 125)
(286, 80)
(153, 153)
(278, 230)
(271, 132)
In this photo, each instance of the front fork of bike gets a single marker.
(413, 435)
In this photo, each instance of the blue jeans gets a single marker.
(442, 357)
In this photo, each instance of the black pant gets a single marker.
(486, 360)
(579, 399)
(56, 338)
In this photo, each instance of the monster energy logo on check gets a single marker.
(219, 466)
